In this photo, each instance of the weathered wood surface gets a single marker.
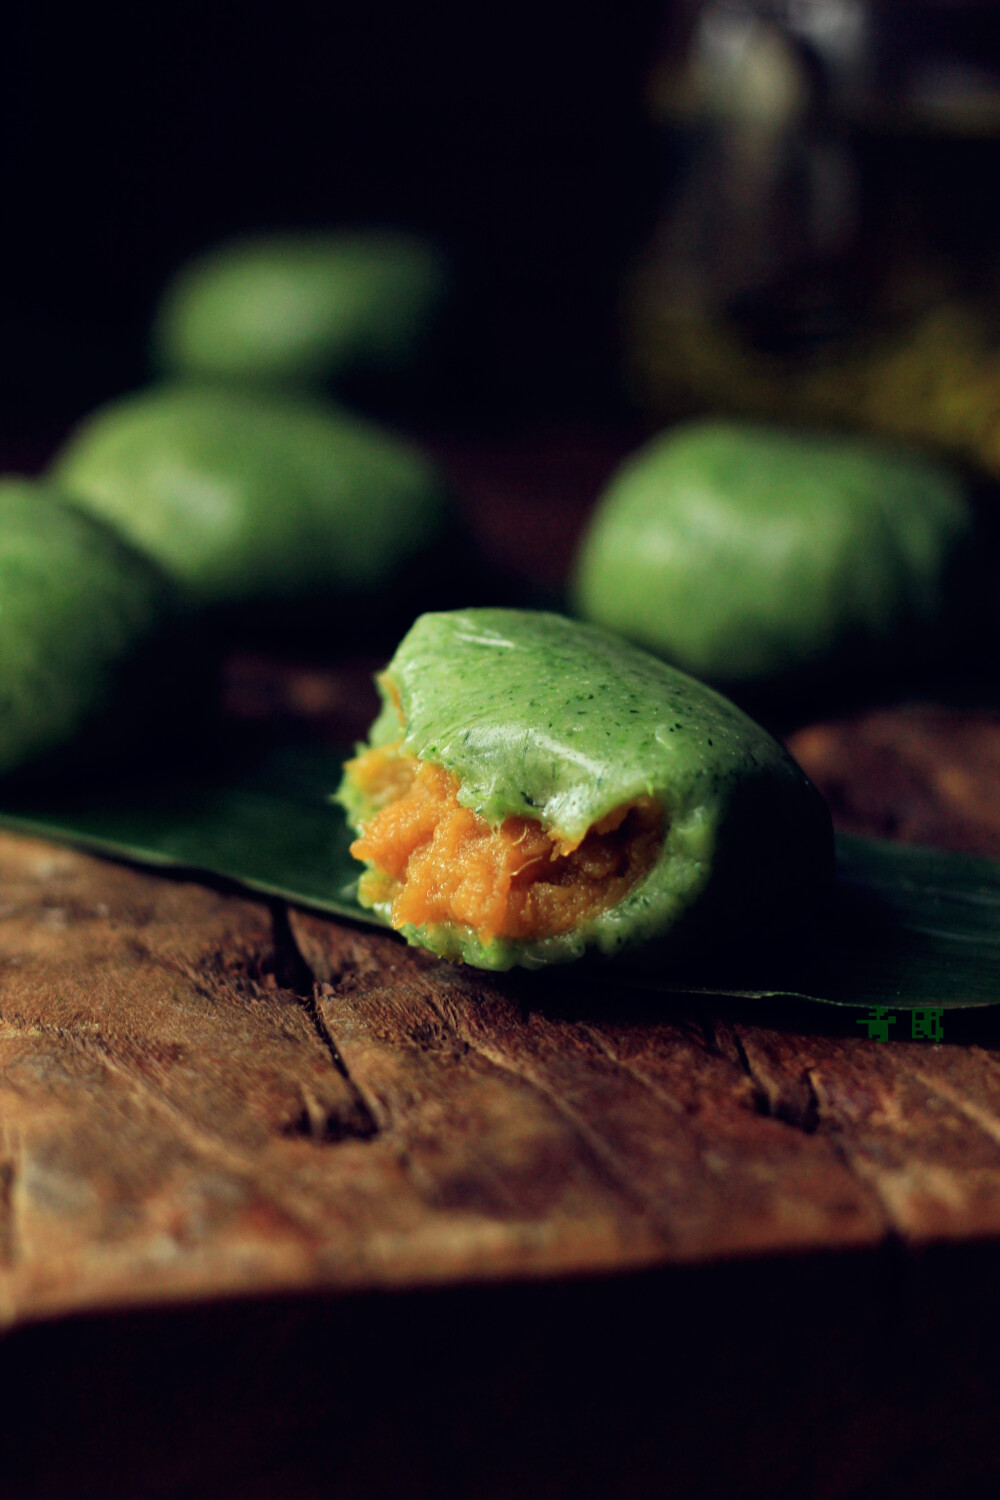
(201, 1095)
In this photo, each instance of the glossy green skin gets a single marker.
(253, 498)
(77, 606)
(541, 717)
(300, 309)
(743, 553)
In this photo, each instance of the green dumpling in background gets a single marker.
(535, 787)
(254, 499)
(300, 309)
(78, 611)
(745, 553)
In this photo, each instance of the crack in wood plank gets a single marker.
(328, 1127)
(800, 1102)
(302, 986)
(486, 1150)
(940, 1191)
(365, 1126)
(792, 1101)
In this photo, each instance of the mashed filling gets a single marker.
(438, 863)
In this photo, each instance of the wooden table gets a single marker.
(289, 1210)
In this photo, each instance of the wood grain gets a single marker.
(200, 1095)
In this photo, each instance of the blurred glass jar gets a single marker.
(830, 245)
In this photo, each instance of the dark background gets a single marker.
(515, 135)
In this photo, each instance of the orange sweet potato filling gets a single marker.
(440, 863)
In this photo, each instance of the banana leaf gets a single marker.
(254, 810)
(907, 928)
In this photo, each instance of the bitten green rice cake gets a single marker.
(534, 787)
